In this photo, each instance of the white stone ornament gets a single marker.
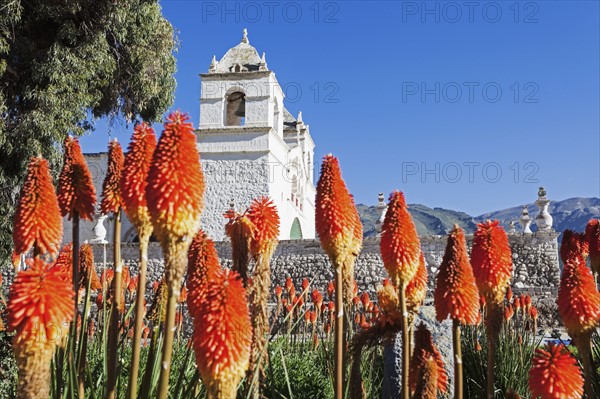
(99, 231)
(543, 220)
(525, 220)
(381, 209)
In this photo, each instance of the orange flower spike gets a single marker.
(64, 262)
(278, 292)
(592, 235)
(330, 290)
(111, 187)
(37, 220)
(39, 308)
(400, 246)
(76, 192)
(307, 317)
(509, 294)
(132, 286)
(203, 265)
(288, 284)
(134, 176)
(263, 215)
(222, 335)
(337, 221)
(87, 270)
(533, 313)
(492, 260)
(40, 301)
(424, 348)
(426, 387)
(508, 312)
(578, 298)
(456, 294)
(364, 299)
(527, 301)
(317, 298)
(416, 290)
(175, 189)
(554, 374)
(305, 285)
(183, 295)
(573, 244)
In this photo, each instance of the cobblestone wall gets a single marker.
(535, 258)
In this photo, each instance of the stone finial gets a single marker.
(263, 63)
(213, 64)
(525, 220)
(543, 220)
(511, 227)
(99, 231)
(245, 36)
(381, 208)
(299, 118)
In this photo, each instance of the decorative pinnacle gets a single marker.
(213, 64)
(299, 119)
(245, 36)
(263, 62)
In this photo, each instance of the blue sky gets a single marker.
(467, 106)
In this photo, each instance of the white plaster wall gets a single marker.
(261, 90)
(239, 177)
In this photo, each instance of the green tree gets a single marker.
(65, 63)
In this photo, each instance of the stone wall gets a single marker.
(535, 258)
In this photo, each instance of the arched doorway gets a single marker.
(296, 230)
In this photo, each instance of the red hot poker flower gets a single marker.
(111, 188)
(64, 262)
(416, 290)
(87, 270)
(573, 245)
(222, 335)
(203, 265)
(135, 175)
(37, 221)
(337, 220)
(554, 374)
(400, 246)
(578, 298)
(40, 303)
(76, 192)
(424, 349)
(456, 294)
(175, 190)
(492, 260)
(263, 215)
(592, 235)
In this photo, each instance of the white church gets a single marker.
(250, 146)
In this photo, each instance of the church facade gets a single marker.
(250, 146)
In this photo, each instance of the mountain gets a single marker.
(428, 221)
(572, 213)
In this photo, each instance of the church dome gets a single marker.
(241, 58)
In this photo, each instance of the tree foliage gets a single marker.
(64, 63)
